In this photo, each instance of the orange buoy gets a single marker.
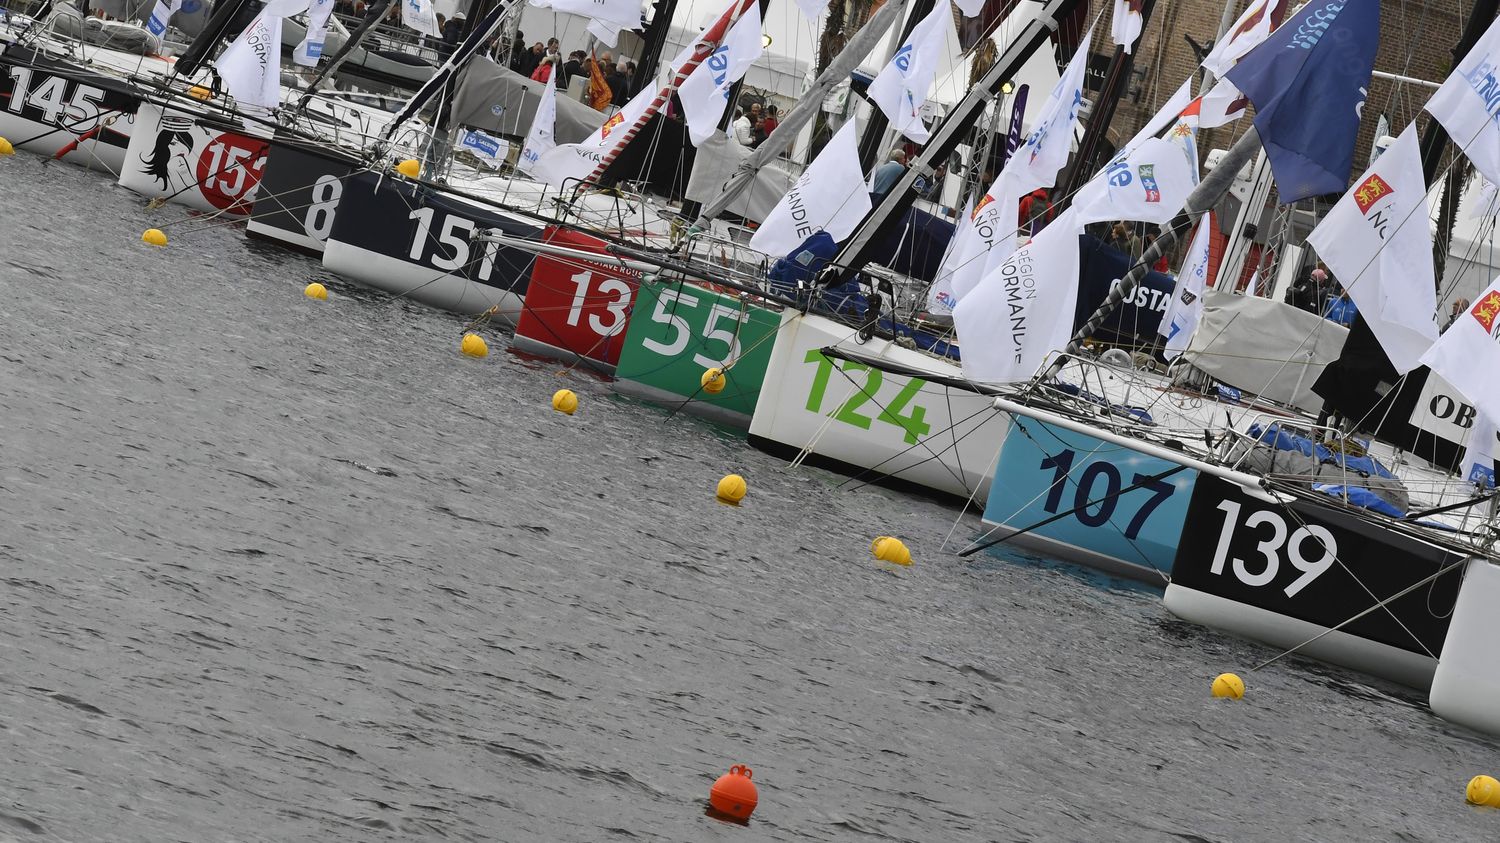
(734, 794)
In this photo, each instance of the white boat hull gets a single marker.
(849, 417)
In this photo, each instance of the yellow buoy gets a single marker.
(409, 168)
(154, 237)
(731, 489)
(564, 401)
(474, 346)
(1483, 790)
(198, 92)
(713, 381)
(6, 148)
(316, 291)
(891, 549)
(1227, 685)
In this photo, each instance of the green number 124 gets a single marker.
(848, 413)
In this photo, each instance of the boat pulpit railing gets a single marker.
(1105, 386)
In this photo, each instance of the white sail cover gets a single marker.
(901, 88)
(1023, 311)
(1235, 332)
(1465, 104)
(1378, 244)
(830, 196)
(705, 93)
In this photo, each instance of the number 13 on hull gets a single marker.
(575, 308)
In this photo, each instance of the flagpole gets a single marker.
(704, 48)
(1200, 201)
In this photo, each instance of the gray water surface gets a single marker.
(276, 569)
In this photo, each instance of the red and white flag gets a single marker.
(1467, 355)
(1378, 244)
(1224, 103)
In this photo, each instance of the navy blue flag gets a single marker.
(1308, 81)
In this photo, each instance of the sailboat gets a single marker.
(1306, 532)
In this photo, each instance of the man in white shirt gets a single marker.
(744, 130)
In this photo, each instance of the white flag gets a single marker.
(563, 165)
(989, 237)
(606, 34)
(1224, 103)
(421, 16)
(251, 66)
(1148, 181)
(812, 8)
(1045, 151)
(1478, 466)
(940, 298)
(1377, 242)
(970, 8)
(901, 88)
(705, 93)
(1024, 310)
(829, 196)
(619, 14)
(1466, 101)
(157, 23)
(1125, 26)
(1467, 355)
(1186, 306)
(310, 50)
(539, 140)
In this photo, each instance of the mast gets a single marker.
(875, 130)
(656, 38)
(198, 53)
(874, 230)
(809, 105)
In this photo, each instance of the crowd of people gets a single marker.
(611, 82)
